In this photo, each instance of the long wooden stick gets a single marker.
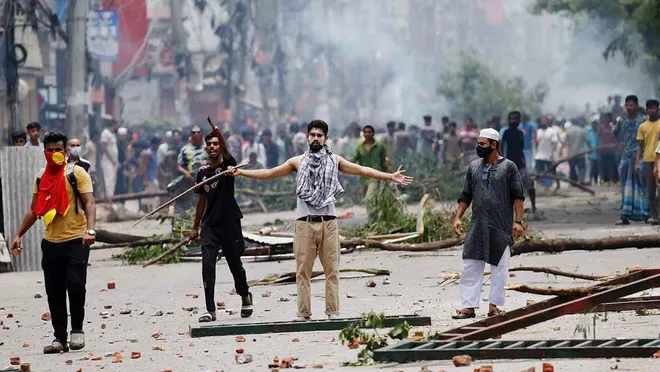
(571, 182)
(193, 188)
(168, 252)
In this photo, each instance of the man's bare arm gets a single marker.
(518, 209)
(90, 209)
(348, 167)
(266, 174)
(29, 219)
(462, 207)
(199, 211)
(640, 149)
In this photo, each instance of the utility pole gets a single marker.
(243, 7)
(179, 49)
(3, 79)
(76, 112)
(10, 65)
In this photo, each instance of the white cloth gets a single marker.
(110, 140)
(109, 177)
(546, 139)
(472, 279)
(257, 148)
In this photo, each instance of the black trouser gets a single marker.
(608, 167)
(594, 170)
(577, 166)
(651, 188)
(229, 238)
(65, 270)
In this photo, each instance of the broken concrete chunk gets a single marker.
(111, 285)
(370, 283)
(462, 360)
(45, 316)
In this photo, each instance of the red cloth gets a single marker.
(52, 195)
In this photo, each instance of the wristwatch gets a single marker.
(91, 232)
(518, 222)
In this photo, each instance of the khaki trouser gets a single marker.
(310, 238)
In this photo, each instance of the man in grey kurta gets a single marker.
(494, 188)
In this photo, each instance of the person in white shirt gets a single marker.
(109, 157)
(255, 147)
(547, 143)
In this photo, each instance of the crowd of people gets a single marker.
(603, 147)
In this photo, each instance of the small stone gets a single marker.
(221, 305)
(351, 294)
(530, 302)
(243, 358)
(266, 294)
(655, 356)
(96, 359)
(155, 335)
(25, 344)
(68, 362)
(284, 299)
(107, 307)
(9, 316)
(615, 366)
(317, 366)
(125, 312)
(158, 348)
(111, 285)
(547, 367)
(239, 351)
(188, 308)
(295, 340)
(45, 316)
(79, 370)
(386, 280)
(240, 339)
(38, 295)
(158, 313)
(462, 360)
(104, 313)
(15, 361)
(136, 355)
(486, 368)
(556, 328)
(370, 283)
(103, 326)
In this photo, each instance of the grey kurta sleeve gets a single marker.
(467, 193)
(516, 184)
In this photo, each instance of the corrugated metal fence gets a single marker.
(18, 166)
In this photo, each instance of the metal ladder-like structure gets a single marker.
(468, 339)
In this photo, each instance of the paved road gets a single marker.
(414, 288)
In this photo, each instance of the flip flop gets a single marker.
(208, 317)
(496, 312)
(464, 314)
(246, 310)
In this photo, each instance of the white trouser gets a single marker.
(109, 177)
(472, 278)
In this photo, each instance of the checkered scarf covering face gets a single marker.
(318, 183)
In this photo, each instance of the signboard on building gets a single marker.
(103, 34)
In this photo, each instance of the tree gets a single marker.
(632, 24)
(474, 90)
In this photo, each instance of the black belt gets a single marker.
(317, 218)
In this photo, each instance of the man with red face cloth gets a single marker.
(62, 196)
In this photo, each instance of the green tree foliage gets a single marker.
(475, 91)
(633, 24)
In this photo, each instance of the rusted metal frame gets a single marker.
(628, 304)
(409, 351)
(459, 332)
(649, 279)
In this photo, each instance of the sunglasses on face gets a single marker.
(195, 131)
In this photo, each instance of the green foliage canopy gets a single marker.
(474, 90)
(634, 25)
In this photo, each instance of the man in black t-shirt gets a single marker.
(220, 219)
(512, 145)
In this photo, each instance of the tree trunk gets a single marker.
(599, 244)
(408, 247)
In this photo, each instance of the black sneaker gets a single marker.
(56, 347)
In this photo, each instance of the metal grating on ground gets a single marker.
(411, 351)
(298, 326)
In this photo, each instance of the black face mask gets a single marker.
(484, 152)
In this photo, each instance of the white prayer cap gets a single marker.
(595, 118)
(168, 134)
(490, 133)
(122, 131)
